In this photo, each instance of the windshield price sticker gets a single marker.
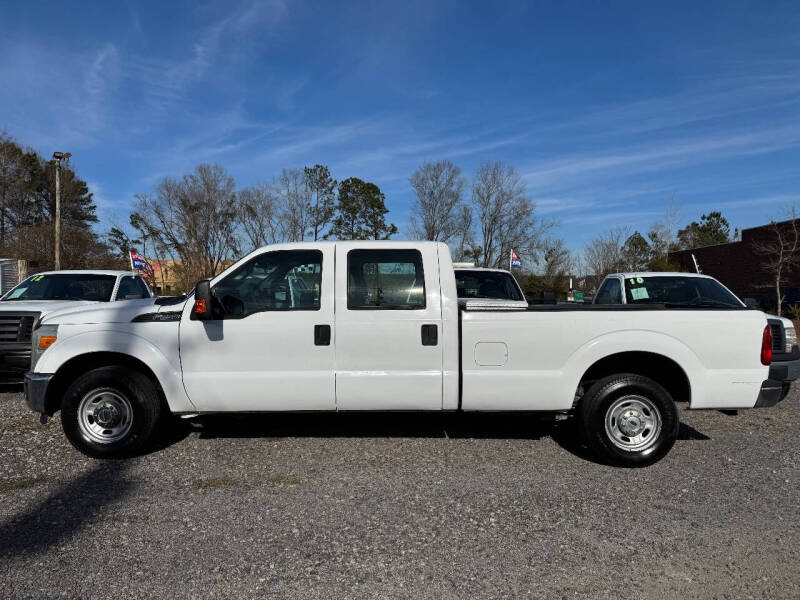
(639, 293)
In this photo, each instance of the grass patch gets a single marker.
(20, 484)
(283, 480)
(214, 482)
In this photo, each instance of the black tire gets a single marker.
(129, 388)
(632, 399)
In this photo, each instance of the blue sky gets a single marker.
(610, 111)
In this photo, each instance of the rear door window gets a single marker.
(385, 280)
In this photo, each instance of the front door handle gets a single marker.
(322, 335)
(430, 335)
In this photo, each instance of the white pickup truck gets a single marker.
(377, 326)
(23, 305)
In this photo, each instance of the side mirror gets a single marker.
(750, 302)
(201, 311)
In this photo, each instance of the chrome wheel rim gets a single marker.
(105, 416)
(633, 423)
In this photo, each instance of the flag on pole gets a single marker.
(137, 262)
(516, 263)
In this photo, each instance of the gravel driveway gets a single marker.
(405, 506)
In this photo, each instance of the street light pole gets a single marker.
(57, 265)
(58, 157)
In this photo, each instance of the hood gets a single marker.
(42, 306)
(108, 312)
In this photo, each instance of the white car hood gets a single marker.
(123, 311)
(42, 306)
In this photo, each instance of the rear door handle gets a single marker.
(430, 335)
(322, 335)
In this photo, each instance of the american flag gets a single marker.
(137, 262)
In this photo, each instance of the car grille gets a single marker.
(16, 328)
(778, 343)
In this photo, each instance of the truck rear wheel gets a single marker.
(111, 412)
(629, 420)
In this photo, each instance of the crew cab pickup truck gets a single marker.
(22, 307)
(376, 326)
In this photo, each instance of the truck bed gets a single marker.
(536, 357)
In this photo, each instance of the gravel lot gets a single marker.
(342, 506)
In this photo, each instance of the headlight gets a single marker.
(43, 337)
(791, 337)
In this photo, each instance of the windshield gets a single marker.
(683, 291)
(64, 286)
(487, 284)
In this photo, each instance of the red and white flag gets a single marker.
(137, 262)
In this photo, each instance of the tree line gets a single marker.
(620, 249)
(202, 222)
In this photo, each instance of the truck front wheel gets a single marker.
(629, 420)
(110, 412)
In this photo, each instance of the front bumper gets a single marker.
(36, 385)
(15, 359)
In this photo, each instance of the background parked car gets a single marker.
(24, 305)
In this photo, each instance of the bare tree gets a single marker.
(604, 254)
(439, 188)
(506, 216)
(295, 197)
(558, 263)
(463, 237)
(662, 234)
(193, 220)
(260, 216)
(323, 189)
(780, 252)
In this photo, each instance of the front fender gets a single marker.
(166, 371)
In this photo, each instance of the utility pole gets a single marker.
(58, 157)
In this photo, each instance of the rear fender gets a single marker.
(652, 342)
